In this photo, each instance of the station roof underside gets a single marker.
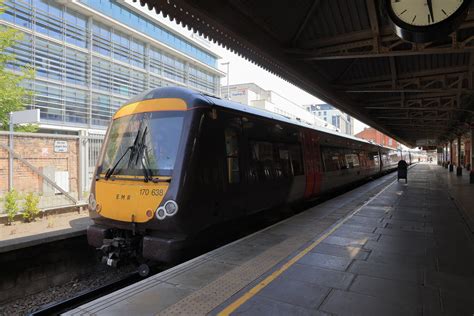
(346, 53)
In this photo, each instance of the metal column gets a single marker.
(446, 156)
(82, 168)
(451, 166)
(459, 168)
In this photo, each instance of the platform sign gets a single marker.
(60, 146)
(426, 142)
(25, 117)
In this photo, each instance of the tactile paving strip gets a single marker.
(212, 295)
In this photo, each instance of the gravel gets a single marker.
(97, 278)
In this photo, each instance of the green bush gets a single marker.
(30, 207)
(10, 203)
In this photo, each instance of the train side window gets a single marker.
(331, 159)
(374, 156)
(362, 159)
(263, 157)
(352, 161)
(296, 163)
(232, 155)
(284, 160)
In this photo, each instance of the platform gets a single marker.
(385, 248)
(77, 227)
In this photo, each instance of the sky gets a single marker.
(244, 71)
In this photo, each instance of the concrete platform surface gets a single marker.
(385, 248)
(78, 228)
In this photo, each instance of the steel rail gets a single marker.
(58, 308)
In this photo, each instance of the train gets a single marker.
(176, 162)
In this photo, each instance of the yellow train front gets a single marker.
(135, 197)
(177, 165)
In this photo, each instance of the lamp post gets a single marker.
(227, 75)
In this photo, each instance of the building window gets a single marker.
(49, 99)
(49, 60)
(18, 12)
(101, 35)
(76, 105)
(121, 45)
(76, 67)
(156, 61)
(101, 74)
(75, 28)
(101, 111)
(49, 18)
(23, 53)
(137, 53)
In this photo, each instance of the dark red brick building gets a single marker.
(374, 135)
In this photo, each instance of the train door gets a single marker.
(234, 184)
(208, 186)
(381, 162)
(316, 164)
(312, 162)
(309, 168)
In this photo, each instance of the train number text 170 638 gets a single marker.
(153, 192)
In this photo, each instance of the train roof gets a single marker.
(191, 95)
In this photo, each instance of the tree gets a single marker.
(13, 96)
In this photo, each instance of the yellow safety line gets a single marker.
(257, 288)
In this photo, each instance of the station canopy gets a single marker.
(346, 53)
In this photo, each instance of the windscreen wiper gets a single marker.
(111, 171)
(148, 174)
(135, 146)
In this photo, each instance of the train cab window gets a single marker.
(232, 155)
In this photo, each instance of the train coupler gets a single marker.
(118, 249)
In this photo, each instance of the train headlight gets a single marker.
(171, 208)
(160, 213)
(92, 202)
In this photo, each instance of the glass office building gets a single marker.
(90, 56)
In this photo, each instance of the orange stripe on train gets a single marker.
(153, 105)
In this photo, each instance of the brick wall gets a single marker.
(39, 151)
(377, 137)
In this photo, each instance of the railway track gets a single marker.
(86, 296)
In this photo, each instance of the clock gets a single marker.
(422, 21)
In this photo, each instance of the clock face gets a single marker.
(424, 12)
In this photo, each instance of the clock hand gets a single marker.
(430, 7)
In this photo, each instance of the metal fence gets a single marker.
(58, 168)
